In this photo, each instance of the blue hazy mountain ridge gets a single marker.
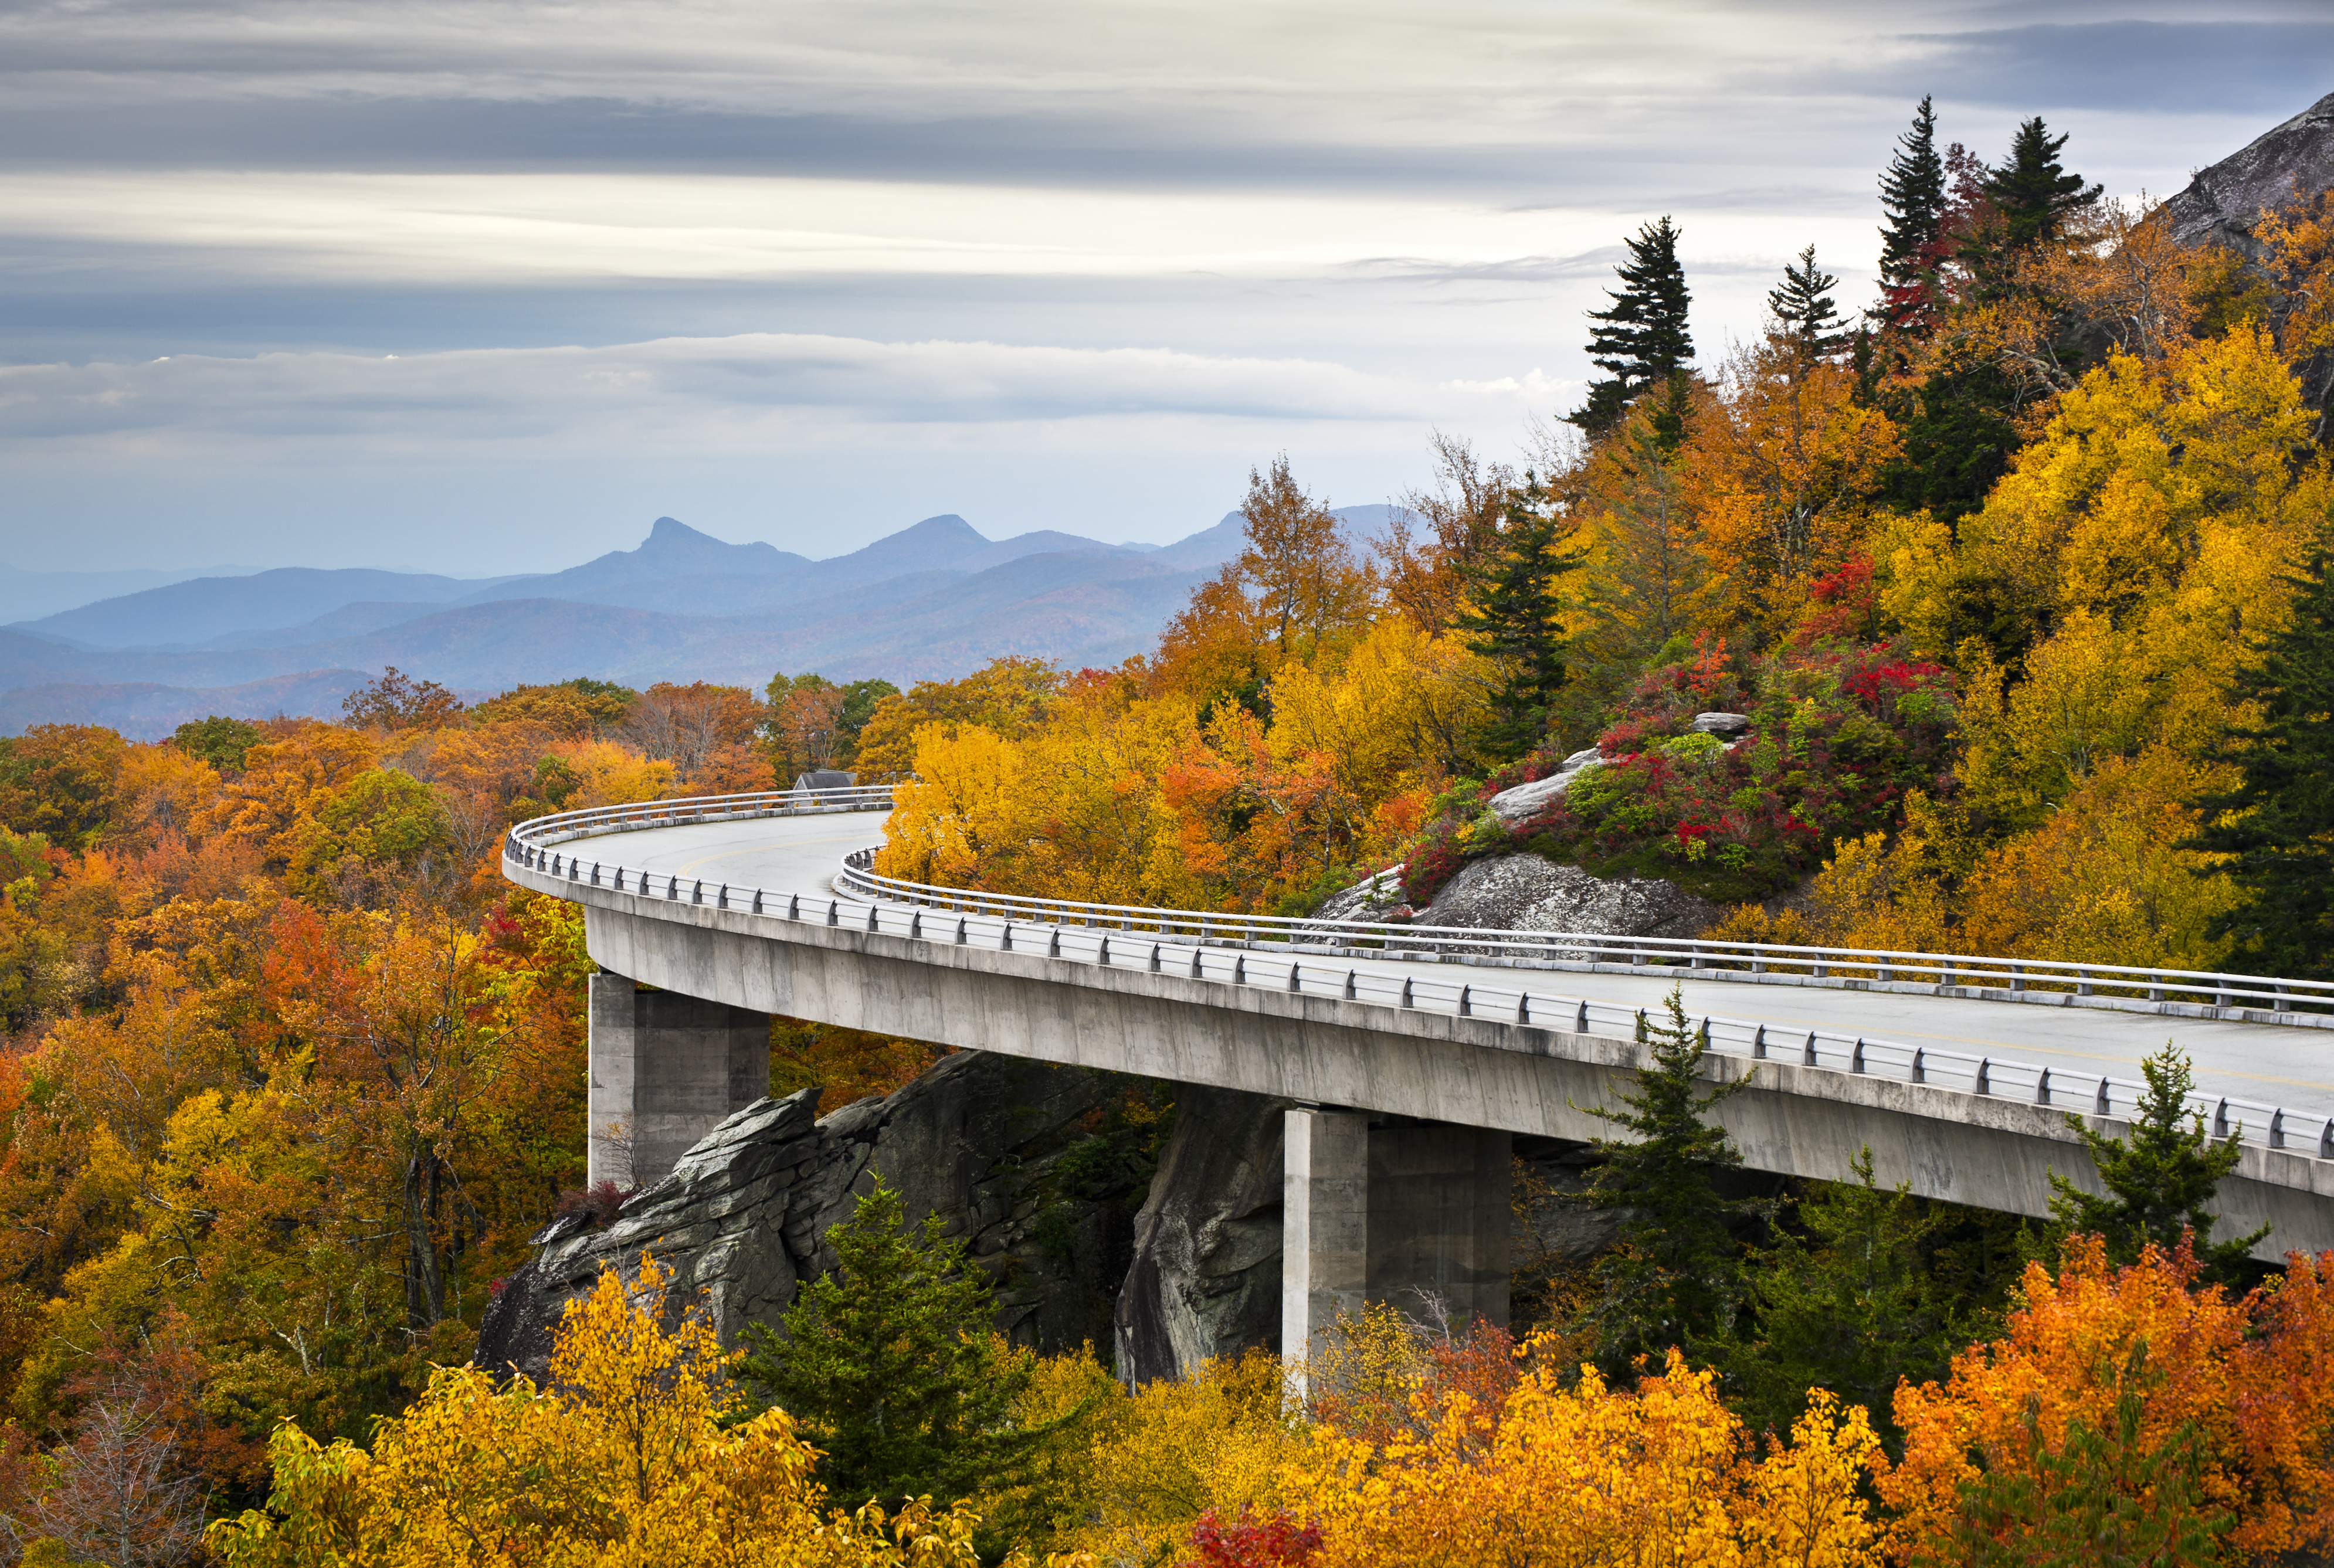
(25, 594)
(687, 572)
(673, 550)
(180, 615)
(348, 621)
(144, 711)
(932, 601)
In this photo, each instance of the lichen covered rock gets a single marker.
(1524, 892)
(1004, 1149)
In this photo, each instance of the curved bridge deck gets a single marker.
(1525, 1050)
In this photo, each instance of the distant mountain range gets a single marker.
(929, 602)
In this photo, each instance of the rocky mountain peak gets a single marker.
(2224, 202)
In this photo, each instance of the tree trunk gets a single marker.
(425, 1281)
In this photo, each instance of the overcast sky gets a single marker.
(483, 287)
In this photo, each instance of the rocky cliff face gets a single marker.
(1041, 1171)
(1205, 1280)
(1036, 1168)
(2224, 202)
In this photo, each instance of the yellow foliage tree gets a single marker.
(1657, 1474)
(2138, 547)
(622, 1459)
(610, 774)
(1006, 696)
(1175, 1449)
(952, 824)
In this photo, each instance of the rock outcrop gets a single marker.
(1527, 800)
(1205, 1280)
(1004, 1149)
(1372, 898)
(2222, 204)
(1528, 893)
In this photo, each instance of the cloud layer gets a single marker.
(815, 270)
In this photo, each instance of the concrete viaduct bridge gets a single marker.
(1411, 1057)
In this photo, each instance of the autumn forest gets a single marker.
(2019, 574)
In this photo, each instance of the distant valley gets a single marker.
(931, 602)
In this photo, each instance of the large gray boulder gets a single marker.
(979, 1140)
(1205, 1280)
(2222, 204)
(1527, 800)
(1526, 892)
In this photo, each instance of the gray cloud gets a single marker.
(479, 396)
(982, 252)
(2271, 68)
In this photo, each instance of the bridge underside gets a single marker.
(1333, 1060)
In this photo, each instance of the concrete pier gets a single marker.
(1380, 1214)
(666, 1070)
(1323, 1222)
(1440, 1218)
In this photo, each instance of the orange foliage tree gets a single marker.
(2248, 1381)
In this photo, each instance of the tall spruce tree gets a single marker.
(1803, 304)
(1676, 1279)
(2159, 1181)
(892, 1367)
(1844, 1300)
(1641, 342)
(1514, 617)
(2033, 193)
(2278, 821)
(1962, 424)
(1913, 194)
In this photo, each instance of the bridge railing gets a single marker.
(1580, 950)
(632, 816)
(1225, 949)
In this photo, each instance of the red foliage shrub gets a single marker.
(1248, 1542)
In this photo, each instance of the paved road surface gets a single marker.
(2262, 1064)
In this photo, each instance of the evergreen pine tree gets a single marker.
(1912, 194)
(1514, 617)
(1641, 340)
(1959, 434)
(2279, 821)
(1676, 1278)
(2158, 1182)
(1850, 1307)
(891, 1366)
(2032, 192)
(1810, 318)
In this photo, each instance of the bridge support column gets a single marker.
(1440, 1219)
(1325, 1222)
(665, 1070)
(1381, 1214)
